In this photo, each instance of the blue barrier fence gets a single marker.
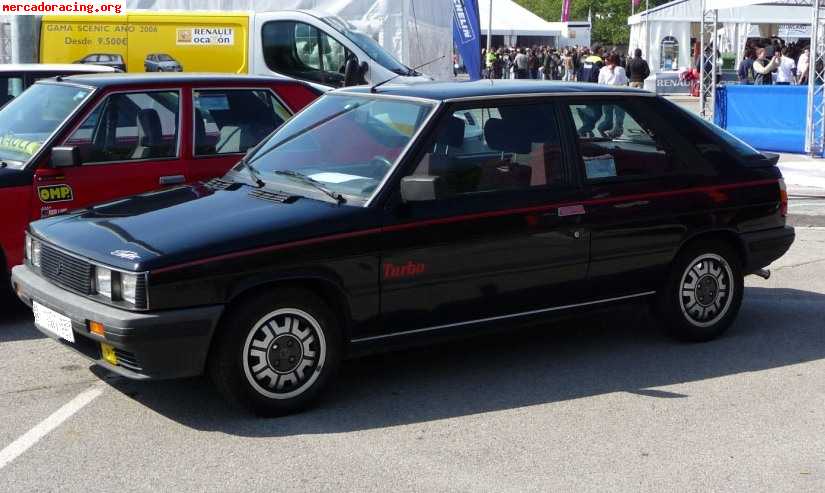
(770, 118)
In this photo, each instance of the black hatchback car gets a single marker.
(393, 216)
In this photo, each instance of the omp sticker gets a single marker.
(55, 193)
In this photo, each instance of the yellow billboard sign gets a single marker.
(150, 41)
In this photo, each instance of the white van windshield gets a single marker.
(369, 46)
(31, 118)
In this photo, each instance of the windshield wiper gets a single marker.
(253, 172)
(314, 183)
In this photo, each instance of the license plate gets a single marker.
(53, 322)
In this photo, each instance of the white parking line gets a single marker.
(31, 437)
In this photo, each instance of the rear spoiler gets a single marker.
(764, 160)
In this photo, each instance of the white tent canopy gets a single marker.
(676, 22)
(511, 19)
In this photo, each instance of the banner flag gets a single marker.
(467, 35)
(565, 11)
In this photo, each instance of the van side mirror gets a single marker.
(421, 188)
(65, 157)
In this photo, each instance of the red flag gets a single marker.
(636, 3)
(565, 11)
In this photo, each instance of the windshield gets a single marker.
(165, 58)
(346, 143)
(29, 119)
(369, 46)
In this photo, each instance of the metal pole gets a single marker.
(490, 28)
(647, 29)
(815, 114)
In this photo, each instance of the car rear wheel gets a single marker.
(703, 293)
(276, 352)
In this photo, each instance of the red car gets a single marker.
(66, 143)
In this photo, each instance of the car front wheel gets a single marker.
(703, 293)
(276, 352)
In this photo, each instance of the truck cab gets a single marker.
(315, 47)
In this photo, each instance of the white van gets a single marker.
(314, 47)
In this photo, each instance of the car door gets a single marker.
(303, 51)
(228, 122)
(127, 144)
(504, 239)
(644, 190)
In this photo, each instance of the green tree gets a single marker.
(609, 16)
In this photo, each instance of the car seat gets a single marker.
(149, 134)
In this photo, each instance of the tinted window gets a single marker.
(499, 148)
(232, 121)
(304, 52)
(140, 125)
(615, 141)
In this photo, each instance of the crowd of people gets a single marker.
(774, 63)
(567, 64)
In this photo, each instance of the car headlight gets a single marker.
(35, 252)
(103, 282)
(128, 287)
(27, 251)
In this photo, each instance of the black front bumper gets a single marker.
(763, 247)
(149, 345)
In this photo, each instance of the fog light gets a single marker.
(108, 353)
(96, 328)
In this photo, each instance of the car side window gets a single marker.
(229, 121)
(302, 51)
(488, 149)
(128, 127)
(615, 141)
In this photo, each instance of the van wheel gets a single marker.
(703, 293)
(276, 352)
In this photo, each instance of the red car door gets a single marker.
(228, 122)
(130, 142)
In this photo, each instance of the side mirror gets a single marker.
(421, 188)
(65, 157)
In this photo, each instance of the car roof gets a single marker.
(54, 67)
(441, 91)
(119, 78)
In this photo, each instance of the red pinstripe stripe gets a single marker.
(462, 218)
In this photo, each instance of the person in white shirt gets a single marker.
(613, 74)
(785, 73)
(803, 64)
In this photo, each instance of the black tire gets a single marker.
(703, 292)
(276, 351)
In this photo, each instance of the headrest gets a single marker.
(149, 128)
(506, 137)
(451, 132)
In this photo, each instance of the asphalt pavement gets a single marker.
(590, 404)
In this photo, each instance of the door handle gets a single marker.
(172, 180)
(571, 210)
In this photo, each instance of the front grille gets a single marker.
(65, 270)
(218, 184)
(127, 360)
(270, 196)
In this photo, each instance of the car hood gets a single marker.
(188, 223)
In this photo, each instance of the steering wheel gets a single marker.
(381, 160)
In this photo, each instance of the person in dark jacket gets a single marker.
(637, 69)
(764, 67)
(590, 67)
(745, 70)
